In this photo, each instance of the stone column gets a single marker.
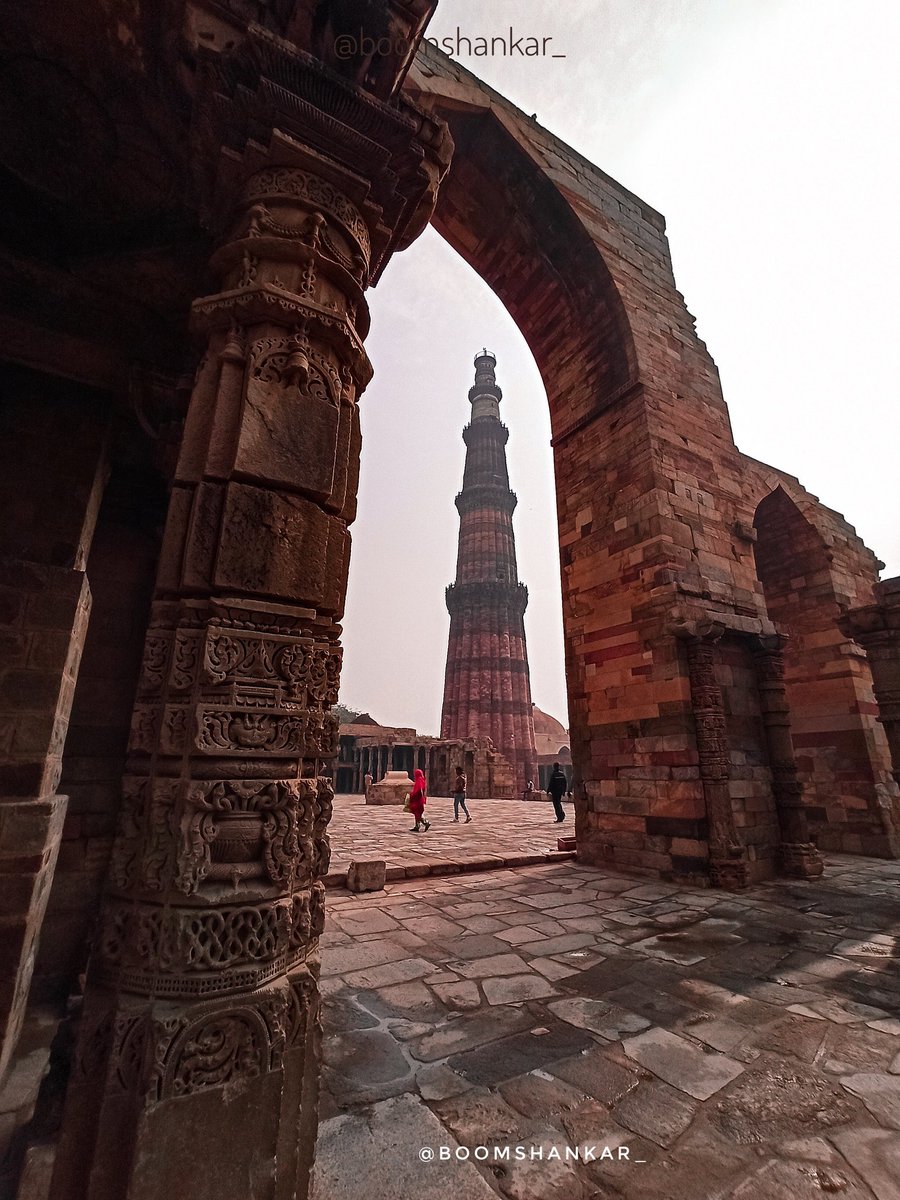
(728, 866)
(197, 1063)
(797, 855)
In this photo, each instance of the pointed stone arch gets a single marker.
(649, 482)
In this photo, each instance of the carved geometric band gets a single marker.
(258, 732)
(232, 657)
(189, 940)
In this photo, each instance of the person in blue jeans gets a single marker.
(459, 795)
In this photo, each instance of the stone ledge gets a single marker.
(440, 866)
(366, 876)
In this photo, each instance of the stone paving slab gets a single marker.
(355, 1148)
(758, 1060)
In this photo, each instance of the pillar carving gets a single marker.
(202, 997)
(797, 856)
(728, 866)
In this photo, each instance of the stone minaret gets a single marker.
(487, 690)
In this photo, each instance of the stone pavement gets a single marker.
(509, 832)
(699, 1045)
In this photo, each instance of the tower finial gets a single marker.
(485, 396)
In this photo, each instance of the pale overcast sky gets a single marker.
(766, 132)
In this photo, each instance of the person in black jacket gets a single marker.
(556, 789)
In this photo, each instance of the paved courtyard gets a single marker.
(686, 1044)
(499, 828)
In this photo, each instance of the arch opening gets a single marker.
(841, 752)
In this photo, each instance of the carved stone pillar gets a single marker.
(797, 855)
(728, 866)
(197, 1065)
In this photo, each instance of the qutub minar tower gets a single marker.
(487, 690)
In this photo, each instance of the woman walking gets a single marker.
(417, 798)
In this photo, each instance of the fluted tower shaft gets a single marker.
(487, 689)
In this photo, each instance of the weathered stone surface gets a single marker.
(606, 1019)
(520, 1052)
(478, 1116)
(366, 1064)
(875, 1155)
(376, 1153)
(338, 960)
(385, 974)
(797, 1181)
(721, 1033)
(437, 1082)
(464, 1033)
(343, 1013)
(490, 964)
(595, 1073)
(681, 1063)
(880, 1094)
(776, 1101)
(412, 1002)
(513, 989)
(461, 995)
(549, 1176)
(795, 1037)
(366, 876)
(655, 1111)
(538, 1094)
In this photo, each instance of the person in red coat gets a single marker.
(417, 799)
